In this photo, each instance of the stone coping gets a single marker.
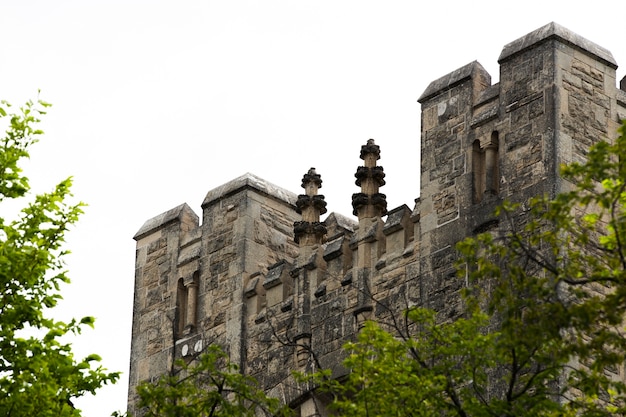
(249, 180)
(342, 221)
(550, 31)
(452, 79)
(555, 31)
(163, 219)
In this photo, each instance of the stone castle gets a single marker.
(262, 276)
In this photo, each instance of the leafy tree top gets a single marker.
(39, 374)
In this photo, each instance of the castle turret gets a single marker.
(280, 290)
(484, 143)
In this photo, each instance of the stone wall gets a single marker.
(158, 246)
(266, 279)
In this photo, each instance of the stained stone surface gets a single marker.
(263, 297)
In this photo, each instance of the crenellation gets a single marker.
(484, 114)
(277, 283)
(189, 253)
(473, 72)
(255, 294)
(338, 247)
(271, 282)
(337, 224)
(182, 215)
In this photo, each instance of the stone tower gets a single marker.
(265, 278)
(483, 143)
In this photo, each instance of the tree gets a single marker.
(38, 372)
(542, 332)
(209, 385)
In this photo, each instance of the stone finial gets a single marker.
(311, 179)
(310, 231)
(369, 202)
(371, 150)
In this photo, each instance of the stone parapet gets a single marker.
(555, 31)
(282, 289)
(182, 214)
(471, 72)
(250, 181)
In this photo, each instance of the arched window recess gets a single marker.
(485, 167)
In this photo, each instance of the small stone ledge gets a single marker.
(491, 93)
(555, 31)
(395, 219)
(334, 248)
(274, 274)
(177, 214)
(287, 305)
(320, 291)
(347, 279)
(261, 317)
(381, 263)
(250, 290)
(190, 238)
(188, 254)
(486, 116)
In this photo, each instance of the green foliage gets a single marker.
(543, 327)
(565, 270)
(439, 369)
(210, 385)
(38, 372)
(396, 376)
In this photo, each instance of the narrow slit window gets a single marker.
(478, 169)
(491, 165)
(181, 307)
(485, 167)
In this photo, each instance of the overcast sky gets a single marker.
(158, 102)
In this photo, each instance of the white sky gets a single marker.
(157, 102)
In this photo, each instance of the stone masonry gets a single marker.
(265, 278)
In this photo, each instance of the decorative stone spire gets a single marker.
(310, 231)
(369, 202)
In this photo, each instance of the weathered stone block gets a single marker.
(555, 98)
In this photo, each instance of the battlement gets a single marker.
(562, 35)
(266, 278)
(249, 181)
(332, 263)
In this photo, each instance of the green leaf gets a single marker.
(38, 374)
